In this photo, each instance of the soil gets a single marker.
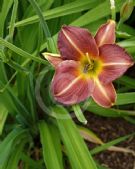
(109, 129)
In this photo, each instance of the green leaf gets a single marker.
(70, 8)
(127, 81)
(30, 162)
(3, 76)
(31, 97)
(21, 52)
(109, 144)
(6, 5)
(125, 98)
(110, 112)
(76, 149)
(3, 116)
(127, 28)
(13, 18)
(7, 145)
(122, 99)
(46, 30)
(16, 155)
(57, 142)
(51, 147)
(127, 43)
(130, 119)
(96, 13)
(9, 99)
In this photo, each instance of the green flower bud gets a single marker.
(126, 10)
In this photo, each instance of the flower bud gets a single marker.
(126, 10)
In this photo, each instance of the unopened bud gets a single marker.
(126, 10)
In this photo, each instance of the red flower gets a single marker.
(86, 66)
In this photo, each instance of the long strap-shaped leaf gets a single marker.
(109, 144)
(122, 99)
(14, 159)
(51, 146)
(9, 143)
(66, 9)
(3, 116)
(76, 149)
(96, 13)
(6, 5)
(51, 44)
(21, 52)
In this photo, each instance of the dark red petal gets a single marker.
(104, 95)
(106, 34)
(54, 59)
(68, 85)
(115, 60)
(74, 42)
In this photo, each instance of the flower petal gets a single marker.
(106, 34)
(115, 62)
(54, 59)
(68, 85)
(74, 43)
(104, 95)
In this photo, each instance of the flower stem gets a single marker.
(113, 12)
(79, 114)
(119, 23)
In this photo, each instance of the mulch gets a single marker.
(109, 129)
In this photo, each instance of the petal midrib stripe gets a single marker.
(117, 64)
(72, 43)
(102, 90)
(68, 87)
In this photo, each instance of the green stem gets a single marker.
(119, 23)
(113, 12)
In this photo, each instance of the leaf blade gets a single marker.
(75, 146)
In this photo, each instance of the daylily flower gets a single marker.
(87, 65)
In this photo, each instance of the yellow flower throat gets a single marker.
(91, 67)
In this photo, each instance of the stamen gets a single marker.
(89, 65)
(88, 58)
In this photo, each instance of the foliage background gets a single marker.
(32, 132)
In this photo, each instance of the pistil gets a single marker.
(89, 65)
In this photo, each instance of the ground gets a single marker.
(108, 129)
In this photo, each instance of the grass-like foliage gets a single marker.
(35, 131)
